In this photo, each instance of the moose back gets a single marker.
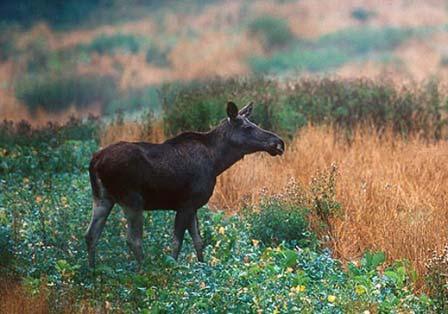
(179, 174)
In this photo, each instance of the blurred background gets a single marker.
(59, 59)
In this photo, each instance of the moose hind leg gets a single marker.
(101, 210)
(180, 225)
(193, 229)
(135, 233)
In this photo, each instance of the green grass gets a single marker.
(135, 100)
(332, 50)
(57, 92)
(111, 44)
(300, 59)
(45, 209)
(344, 104)
(274, 32)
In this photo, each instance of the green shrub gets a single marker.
(331, 51)
(436, 279)
(135, 99)
(366, 39)
(111, 44)
(300, 59)
(347, 104)
(199, 105)
(22, 133)
(444, 61)
(282, 218)
(56, 93)
(67, 13)
(7, 43)
(6, 252)
(362, 14)
(344, 104)
(273, 31)
(157, 56)
(277, 222)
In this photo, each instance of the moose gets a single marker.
(179, 174)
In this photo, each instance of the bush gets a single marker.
(366, 39)
(278, 221)
(348, 104)
(300, 59)
(436, 279)
(111, 44)
(56, 93)
(199, 106)
(273, 31)
(66, 13)
(6, 253)
(157, 56)
(362, 14)
(7, 44)
(331, 51)
(344, 104)
(136, 99)
(282, 218)
(22, 133)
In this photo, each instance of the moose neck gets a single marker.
(223, 153)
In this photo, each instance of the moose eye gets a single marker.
(247, 128)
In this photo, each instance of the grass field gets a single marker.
(351, 219)
(328, 202)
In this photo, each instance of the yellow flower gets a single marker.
(221, 230)
(38, 199)
(289, 270)
(359, 289)
(331, 298)
(255, 242)
(299, 288)
(214, 261)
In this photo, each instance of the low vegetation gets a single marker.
(345, 104)
(45, 209)
(346, 196)
(274, 32)
(57, 92)
(111, 44)
(332, 50)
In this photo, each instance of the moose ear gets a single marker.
(247, 110)
(232, 110)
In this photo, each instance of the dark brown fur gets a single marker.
(179, 174)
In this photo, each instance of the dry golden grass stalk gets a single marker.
(393, 191)
(14, 299)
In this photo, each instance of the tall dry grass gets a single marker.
(394, 192)
(14, 299)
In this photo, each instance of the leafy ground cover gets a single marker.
(45, 208)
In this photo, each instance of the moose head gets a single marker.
(246, 135)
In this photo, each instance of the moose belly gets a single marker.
(176, 197)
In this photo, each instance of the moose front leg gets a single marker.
(193, 229)
(180, 224)
(135, 233)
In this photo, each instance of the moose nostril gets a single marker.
(280, 145)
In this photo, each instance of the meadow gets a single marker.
(350, 219)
